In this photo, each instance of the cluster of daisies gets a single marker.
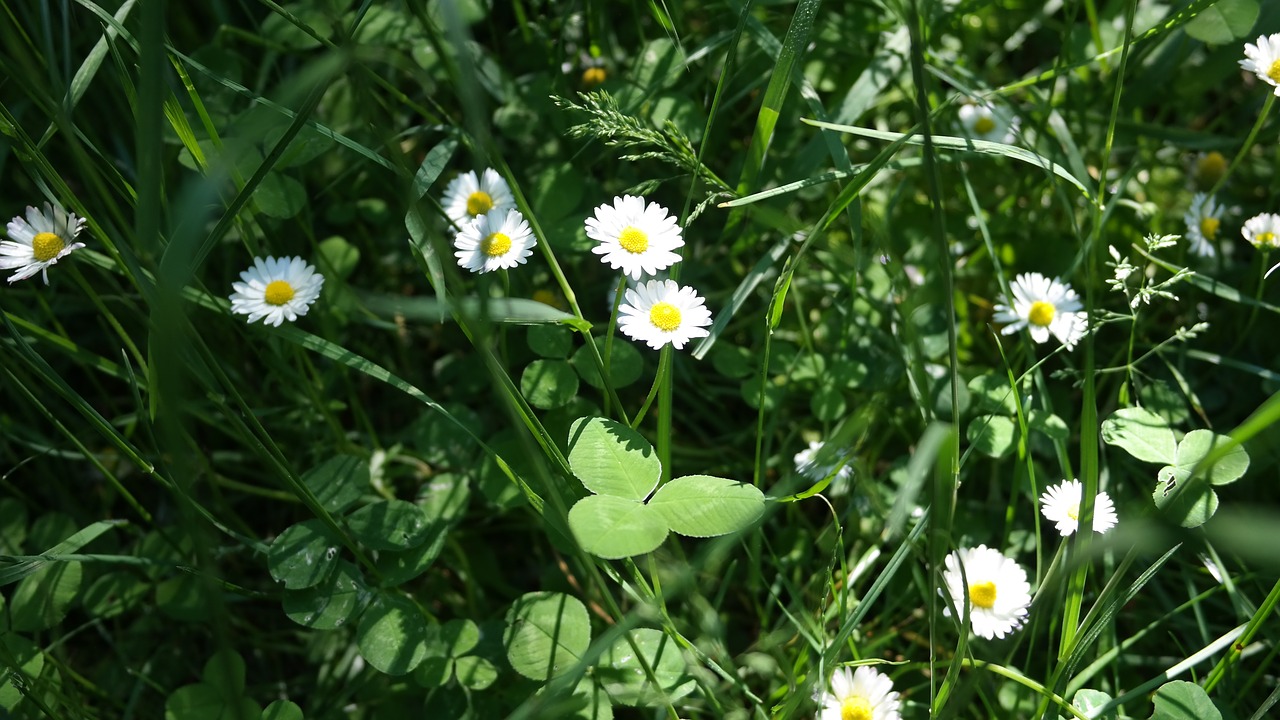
(636, 237)
(983, 583)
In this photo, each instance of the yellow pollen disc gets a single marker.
(983, 595)
(1073, 512)
(278, 292)
(665, 316)
(1262, 239)
(856, 707)
(593, 76)
(46, 246)
(633, 240)
(496, 245)
(1041, 313)
(1212, 163)
(479, 203)
(1273, 72)
(1209, 227)
(984, 125)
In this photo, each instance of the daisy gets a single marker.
(497, 239)
(1043, 306)
(1209, 168)
(807, 465)
(998, 593)
(276, 289)
(1263, 60)
(981, 121)
(864, 694)
(634, 237)
(467, 196)
(1262, 231)
(39, 240)
(1061, 505)
(660, 312)
(1203, 219)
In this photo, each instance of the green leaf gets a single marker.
(622, 675)
(282, 710)
(1089, 702)
(1196, 446)
(225, 671)
(280, 196)
(612, 459)
(195, 702)
(1224, 21)
(1142, 433)
(556, 192)
(27, 662)
(1048, 423)
(329, 605)
(547, 634)
(993, 435)
(112, 594)
(1181, 700)
(828, 404)
(549, 384)
(392, 636)
(303, 555)
(993, 395)
(13, 526)
(614, 527)
(338, 257)
(398, 568)
(390, 525)
(625, 364)
(706, 506)
(44, 597)
(338, 482)
(551, 341)
(475, 672)
(184, 597)
(453, 639)
(434, 672)
(518, 311)
(1187, 500)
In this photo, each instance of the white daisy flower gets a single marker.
(1044, 307)
(807, 464)
(634, 237)
(1263, 60)
(1061, 505)
(39, 240)
(1262, 231)
(998, 592)
(660, 312)
(863, 694)
(1203, 219)
(982, 121)
(497, 239)
(468, 196)
(276, 289)
(1209, 168)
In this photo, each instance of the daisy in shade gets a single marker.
(1262, 231)
(863, 694)
(981, 121)
(997, 590)
(39, 240)
(1061, 505)
(807, 464)
(1263, 60)
(1044, 307)
(497, 239)
(1203, 219)
(635, 237)
(468, 196)
(276, 289)
(660, 312)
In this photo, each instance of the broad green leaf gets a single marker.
(1048, 423)
(225, 671)
(44, 597)
(338, 258)
(1196, 445)
(282, 710)
(338, 482)
(706, 506)
(519, 311)
(625, 363)
(112, 594)
(1181, 700)
(547, 634)
(27, 659)
(548, 384)
(475, 672)
(556, 192)
(329, 605)
(13, 526)
(1090, 702)
(614, 527)
(612, 459)
(184, 597)
(444, 497)
(992, 394)
(551, 341)
(828, 404)
(303, 555)
(46, 533)
(1224, 21)
(390, 525)
(392, 635)
(195, 702)
(434, 672)
(453, 639)
(1142, 433)
(1187, 499)
(993, 435)
(622, 675)
(398, 568)
(280, 196)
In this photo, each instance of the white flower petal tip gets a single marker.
(39, 240)
(1060, 504)
(1044, 307)
(276, 289)
(861, 694)
(634, 237)
(807, 464)
(997, 590)
(469, 196)
(1263, 59)
(1262, 231)
(497, 240)
(658, 312)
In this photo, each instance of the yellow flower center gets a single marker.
(1273, 72)
(984, 125)
(495, 245)
(665, 316)
(1041, 313)
(1073, 512)
(1211, 167)
(46, 246)
(856, 707)
(479, 203)
(593, 76)
(278, 292)
(1262, 239)
(634, 240)
(983, 595)
(1209, 227)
